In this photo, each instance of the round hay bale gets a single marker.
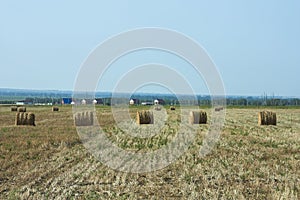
(218, 109)
(144, 117)
(78, 119)
(267, 118)
(198, 117)
(158, 108)
(30, 119)
(55, 109)
(23, 118)
(91, 118)
(172, 108)
(84, 118)
(17, 121)
(21, 109)
(14, 109)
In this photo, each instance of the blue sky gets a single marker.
(254, 44)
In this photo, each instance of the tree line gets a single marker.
(230, 101)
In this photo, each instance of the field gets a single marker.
(48, 161)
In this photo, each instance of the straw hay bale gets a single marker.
(158, 108)
(30, 119)
(23, 118)
(144, 117)
(55, 109)
(198, 117)
(14, 109)
(219, 109)
(84, 118)
(21, 109)
(267, 118)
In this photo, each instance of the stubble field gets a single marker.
(49, 161)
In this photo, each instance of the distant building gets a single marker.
(148, 103)
(99, 101)
(20, 102)
(159, 101)
(27, 101)
(66, 101)
(131, 102)
(88, 101)
(134, 101)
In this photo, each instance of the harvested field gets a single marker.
(249, 161)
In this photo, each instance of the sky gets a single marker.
(255, 45)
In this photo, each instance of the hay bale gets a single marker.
(23, 118)
(219, 109)
(84, 118)
(17, 121)
(91, 118)
(267, 118)
(55, 109)
(30, 119)
(21, 109)
(144, 117)
(14, 109)
(158, 108)
(19, 118)
(78, 119)
(198, 117)
(172, 108)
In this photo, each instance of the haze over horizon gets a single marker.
(255, 45)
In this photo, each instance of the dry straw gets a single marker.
(267, 118)
(21, 109)
(144, 117)
(23, 118)
(198, 117)
(55, 109)
(14, 109)
(84, 119)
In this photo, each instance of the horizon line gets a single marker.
(271, 94)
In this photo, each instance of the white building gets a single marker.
(131, 102)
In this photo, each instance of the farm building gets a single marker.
(66, 101)
(83, 101)
(147, 103)
(20, 103)
(159, 101)
(99, 101)
(27, 101)
(134, 101)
